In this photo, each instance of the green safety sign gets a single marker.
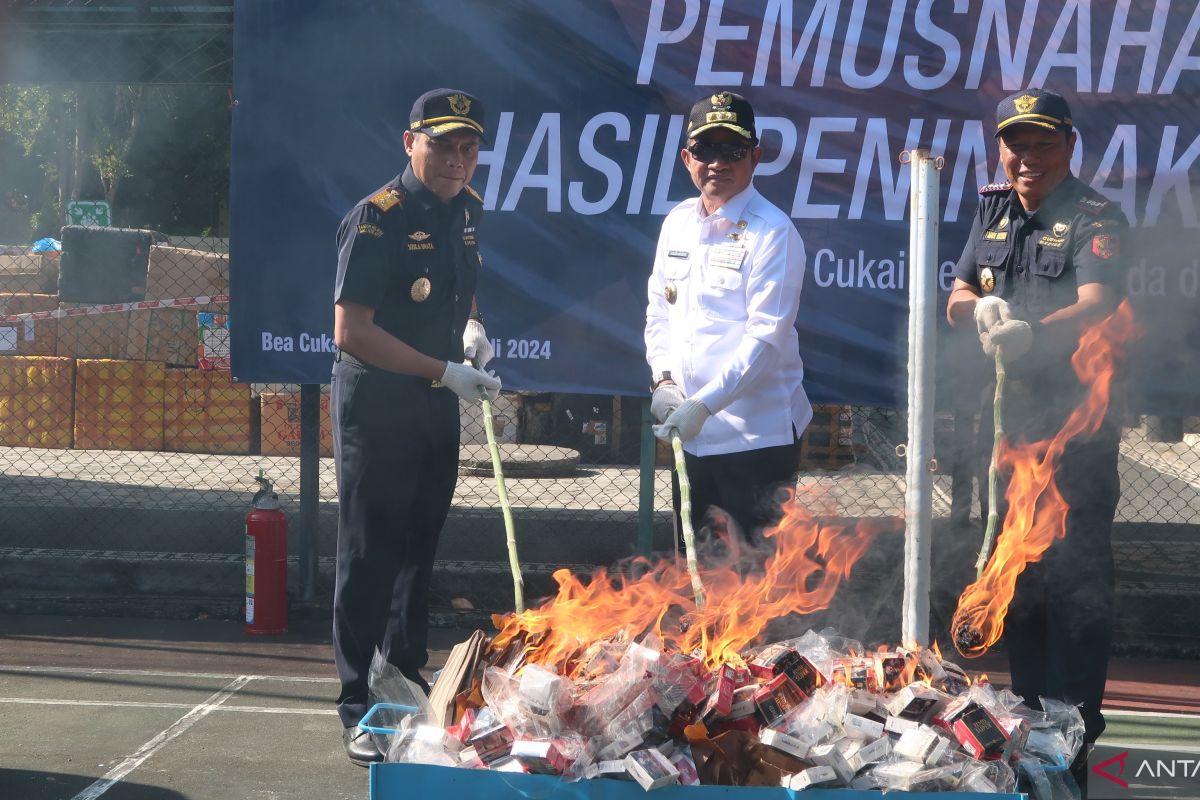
(95, 213)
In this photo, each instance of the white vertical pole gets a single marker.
(924, 211)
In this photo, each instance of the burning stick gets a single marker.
(510, 536)
(685, 514)
(993, 520)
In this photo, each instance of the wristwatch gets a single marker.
(662, 378)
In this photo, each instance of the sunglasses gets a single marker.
(708, 152)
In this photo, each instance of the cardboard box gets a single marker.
(31, 337)
(119, 405)
(32, 273)
(280, 424)
(206, 412)
(214, 340)
(166, 335)
(176, 272)
(37, 395)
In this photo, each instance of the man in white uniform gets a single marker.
(720, 325)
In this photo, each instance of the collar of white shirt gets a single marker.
(732, 209)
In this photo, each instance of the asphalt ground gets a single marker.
(138, 709)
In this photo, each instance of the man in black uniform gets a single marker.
(404, 320)
(1044, 260)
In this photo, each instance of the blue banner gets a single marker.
(586, 103)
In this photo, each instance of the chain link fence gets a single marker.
(128, 456)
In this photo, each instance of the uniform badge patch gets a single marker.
(1060, 228)
(670, 292)
(460, 104)
(370, 229)
(418, 236)
(1105, 246)
(995, 236)
(1024, 103)
(1002, 224)
(987, 279)
(420, 290)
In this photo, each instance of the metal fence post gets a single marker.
(310, 468)
(646, 488)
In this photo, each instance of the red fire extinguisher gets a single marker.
(266, 562)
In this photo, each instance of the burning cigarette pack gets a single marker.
(857, 727)
(743, 701)
(777, 659)
(810, 777)
(543, 692)
(492, 741)
(614, 769)
(945, 716)
(979, 733)
(784, 743)
(720, 700)
(651, 769)
(877, 750)
(889, 670)
(923, 745)
(917, 701)
(541, 755)
(776, 697)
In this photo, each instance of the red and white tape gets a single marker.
(115, 308)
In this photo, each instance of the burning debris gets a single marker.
(1037, 513)
(627, 678)
(817, 710)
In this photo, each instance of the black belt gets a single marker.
(414, 381)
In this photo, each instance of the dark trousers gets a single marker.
(1058, 630)
(396, 448)
(743, 485)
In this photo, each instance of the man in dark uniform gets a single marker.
(1044, 261)
(404, 320)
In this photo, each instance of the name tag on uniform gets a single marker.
(727, 256)
(678, 254)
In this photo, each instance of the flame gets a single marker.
(1037, 513)
(811, 558)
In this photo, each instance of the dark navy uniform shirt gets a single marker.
(415, 260)
(1037, 262)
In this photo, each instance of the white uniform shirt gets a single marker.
(729, 339)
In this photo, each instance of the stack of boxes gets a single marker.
(124, 379)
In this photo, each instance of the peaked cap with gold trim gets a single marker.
(440, 111)
(1034, 107)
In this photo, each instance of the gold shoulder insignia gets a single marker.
(992, 188)
(385, 200)
(473, 193)
(1093, 205)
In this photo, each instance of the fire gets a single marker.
(810, 560)
(1037, 513)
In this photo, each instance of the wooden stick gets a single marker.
(514, 562)
(993, 520)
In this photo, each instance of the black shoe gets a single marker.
(360, 746)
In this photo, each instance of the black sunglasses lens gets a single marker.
(720, 150)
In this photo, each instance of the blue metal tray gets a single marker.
(409, 781)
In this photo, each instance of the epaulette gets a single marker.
(385, 199)
(993, 188)
(1093, 205)
(472, 192)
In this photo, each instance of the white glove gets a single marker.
(997, 329)
(477, 347)
(466, 381)
(1014, 337)
(688, 419)
(666, 398)
(990, 311)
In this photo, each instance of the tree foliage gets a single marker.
(158, 154)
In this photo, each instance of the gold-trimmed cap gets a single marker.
(440, 111)
(722, 110)
(1034, 107)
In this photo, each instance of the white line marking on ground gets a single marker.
(45, 701)
(150, 673)
(130, 763)
(1168, 747)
